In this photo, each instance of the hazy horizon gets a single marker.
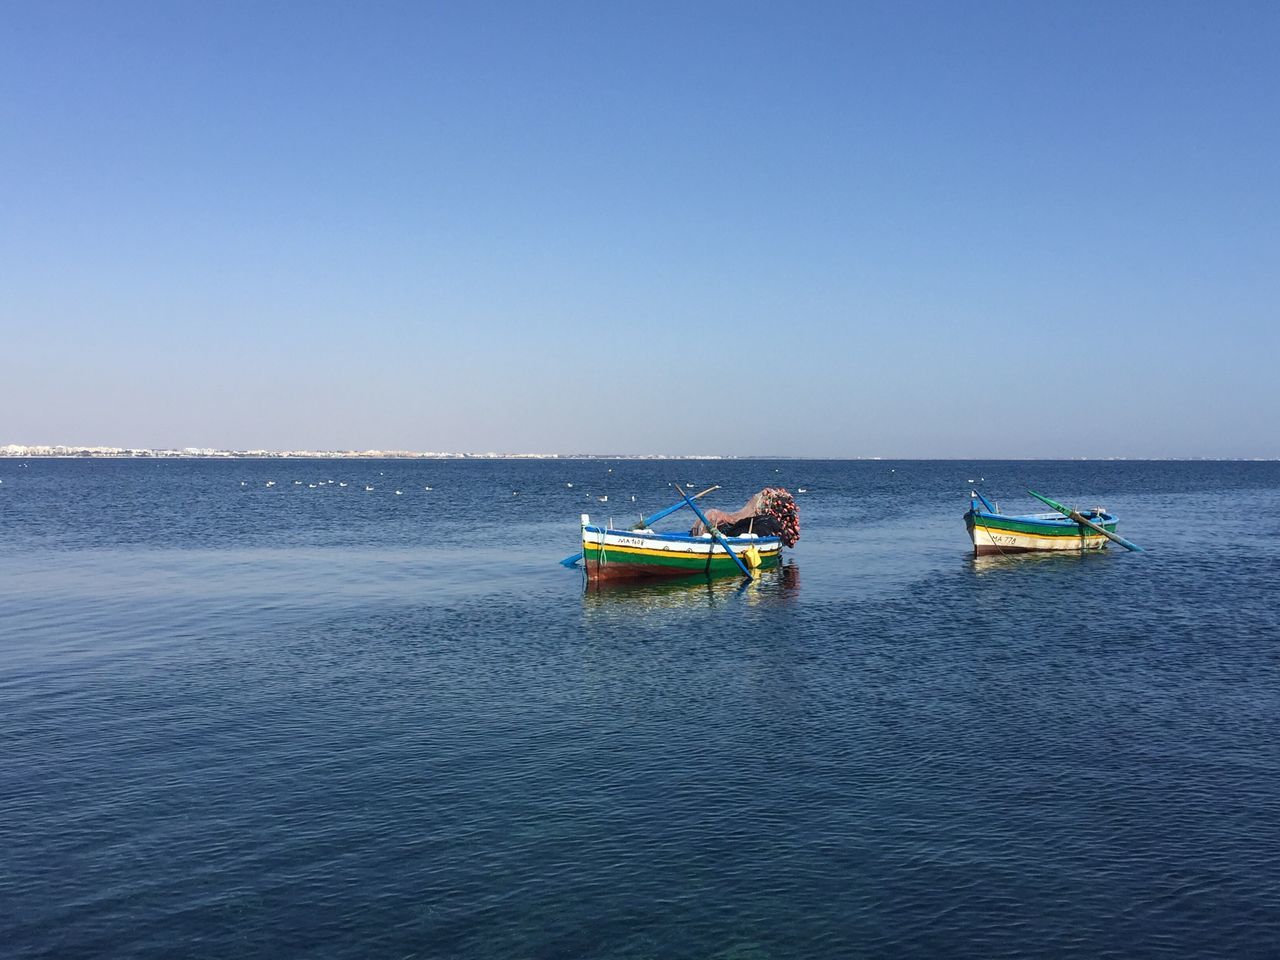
(402, 453)
(910, 231)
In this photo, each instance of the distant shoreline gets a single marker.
(191, 453)
(15, 451)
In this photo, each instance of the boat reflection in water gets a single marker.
(780, 584)
(991, 563)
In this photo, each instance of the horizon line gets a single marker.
(103, 452)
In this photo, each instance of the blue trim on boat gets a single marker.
(1047, 519)
(678, 537)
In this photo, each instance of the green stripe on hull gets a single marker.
(675, 562)
(1039, 529)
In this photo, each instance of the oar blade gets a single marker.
(1052, 503)
(1127, 544)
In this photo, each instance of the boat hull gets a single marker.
(637, 555)
(994, 533)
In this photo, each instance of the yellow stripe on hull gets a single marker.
(1010, 540)
(619, 553)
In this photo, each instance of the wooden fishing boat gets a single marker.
(995, 532)
(719, 544)
(636, 554)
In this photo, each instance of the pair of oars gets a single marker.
(649, 521)
(1086, 522)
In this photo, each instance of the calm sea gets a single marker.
(240, 720)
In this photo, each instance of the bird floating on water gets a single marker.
(428, 488)
(368, 489)
(604, 499)
(343, 483)
(397, 493)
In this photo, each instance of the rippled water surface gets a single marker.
(324, 721)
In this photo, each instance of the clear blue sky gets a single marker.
(845, 229)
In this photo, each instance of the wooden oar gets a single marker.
(648, 521)
(673, 508)
(715, 532)
(1085, 522)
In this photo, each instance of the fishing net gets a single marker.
(771, 512)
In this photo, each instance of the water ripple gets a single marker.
(282, 724)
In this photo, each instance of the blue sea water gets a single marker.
(250, 721)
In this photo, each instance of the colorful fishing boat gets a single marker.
(630, 554)
(994, 532)
(719, 544)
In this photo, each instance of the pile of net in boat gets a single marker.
(770, 513)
